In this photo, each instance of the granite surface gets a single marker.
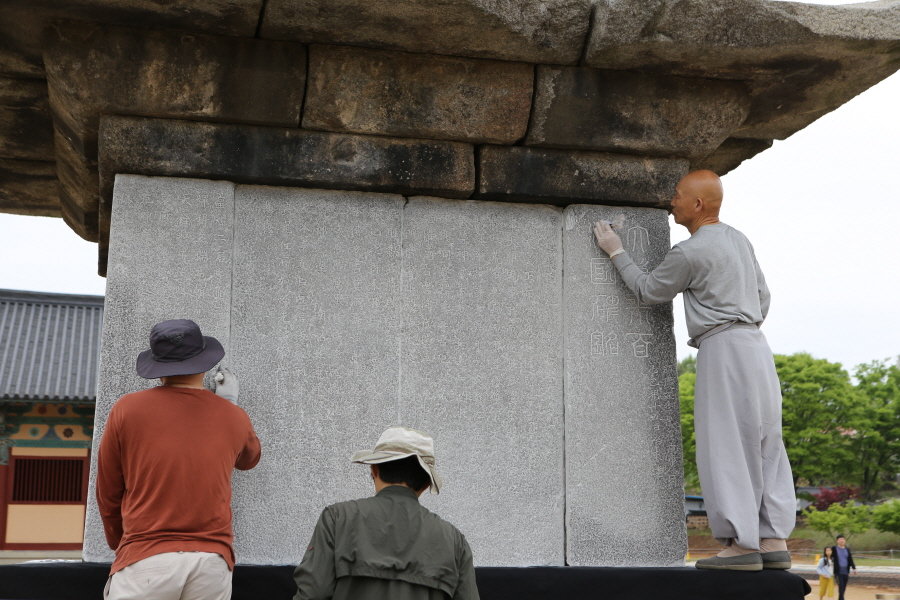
(624, 488)
(170, 258)
(346, 312)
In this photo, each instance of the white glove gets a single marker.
(607, 239)
(226, 384)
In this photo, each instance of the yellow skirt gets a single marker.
(826, 587)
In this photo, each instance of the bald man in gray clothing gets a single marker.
(744, 471)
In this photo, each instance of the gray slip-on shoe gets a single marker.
(744, 562)
(780, 559)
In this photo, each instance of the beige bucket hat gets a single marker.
(400, 442)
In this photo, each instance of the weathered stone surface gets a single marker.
(28, 187)
(413, 95)
(343, 313)
(481, 368)
(25, 127)
(22, 22)
(168, 74)
(170, 257)
(635, 113)
(78, 181)
(562, 177)
(315, 332)
(280, 156)
(799, 60)
(730, 154)
(552, 31)
(624, 488)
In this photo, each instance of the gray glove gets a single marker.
(226, 384)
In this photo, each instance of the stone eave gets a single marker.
(792, 62)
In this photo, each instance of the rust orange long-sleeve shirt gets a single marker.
(164, 472)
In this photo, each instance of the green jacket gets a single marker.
(387, 546)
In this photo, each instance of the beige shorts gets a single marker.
(172, 576)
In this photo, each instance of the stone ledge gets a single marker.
(731, 153)
(800, 61)
(29, 187)
(22, 22)
(414, 95)
(566, 177)
(634, 113)
(278, 156)
(26, 132)
(550, 31)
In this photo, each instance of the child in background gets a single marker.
(825, 569)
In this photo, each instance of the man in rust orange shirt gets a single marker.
(164, 472)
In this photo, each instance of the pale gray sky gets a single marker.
(822, 209)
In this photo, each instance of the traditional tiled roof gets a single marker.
(49, 345)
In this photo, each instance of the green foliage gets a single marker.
(886, 517)
(687, 365)
(875, 422)
(840, 519)
(686, 383)
(816, 413)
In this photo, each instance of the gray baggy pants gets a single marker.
(744, 471)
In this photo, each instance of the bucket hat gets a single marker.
(178, 348)
(401, 442)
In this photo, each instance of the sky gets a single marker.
(821, 208)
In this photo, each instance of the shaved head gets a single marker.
(698, 198)
(705, 185)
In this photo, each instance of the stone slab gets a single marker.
(634, 113)
(26, 131)
(552, 31)
(170, 257)
(315, 339)
(419, 96)
(28, 187)
(563, 177)
(624, 487)
(481, 369)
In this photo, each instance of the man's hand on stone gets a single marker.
(607, 239)
(226, 384)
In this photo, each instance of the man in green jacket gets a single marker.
(388, 546)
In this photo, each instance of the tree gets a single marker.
(686, 382)
(816, 410)
(687, 365)
(874, 428)
(886, 517)
(840, 519)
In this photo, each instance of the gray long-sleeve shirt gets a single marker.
(718, 273)
(386, 546)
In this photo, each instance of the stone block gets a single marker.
(730, 154)
(280, 156)
(168, 74)
(418, 96)
(561, 177)
(28, 187)
(798, 60)
(26, 131)
(624, 488)
(170, 257)
(78, 182)
(552, 31)
(315, 337)
(481, 369)
(634, 113)
(22, 23)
